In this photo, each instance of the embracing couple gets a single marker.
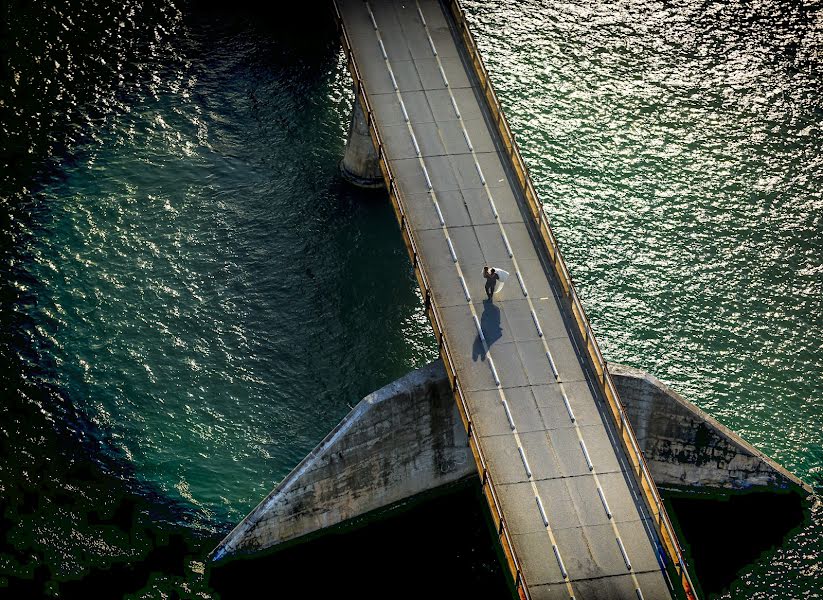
(492, 278)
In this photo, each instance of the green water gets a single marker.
(678, 149)
(192, 297)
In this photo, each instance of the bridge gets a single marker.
(575, 508)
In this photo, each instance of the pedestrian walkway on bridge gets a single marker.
(577, 513)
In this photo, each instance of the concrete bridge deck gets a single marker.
(578, 515)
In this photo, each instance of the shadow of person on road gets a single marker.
(492, 331)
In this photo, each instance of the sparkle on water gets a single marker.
(678, 149)
(208, 286)
(212, 298)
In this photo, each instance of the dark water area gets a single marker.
(433, 549)
(723, 534)
(191, 298)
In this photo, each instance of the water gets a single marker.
(678, 149)
(191, 298)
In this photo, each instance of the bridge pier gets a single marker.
(360, 165)
(400, 441)
(408, 439)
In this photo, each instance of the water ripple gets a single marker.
(677, 148)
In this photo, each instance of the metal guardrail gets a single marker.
(648, 487)
(433, 314)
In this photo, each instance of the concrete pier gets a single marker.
(360, 165)
(685, 447)
(407, 439)
(402, 440)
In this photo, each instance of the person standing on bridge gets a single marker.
(491, 280)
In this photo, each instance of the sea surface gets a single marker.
(191, 297)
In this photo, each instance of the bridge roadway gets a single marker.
(573, 513)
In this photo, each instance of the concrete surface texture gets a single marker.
(684, 446)
(359, 164)
(407, 439)
(571, 504)
(403, 439)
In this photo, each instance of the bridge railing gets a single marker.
(433, 314)
(628, 438)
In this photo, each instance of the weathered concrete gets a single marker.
(360, 165)
(684, 446)
(407, 438)
(402, 440)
